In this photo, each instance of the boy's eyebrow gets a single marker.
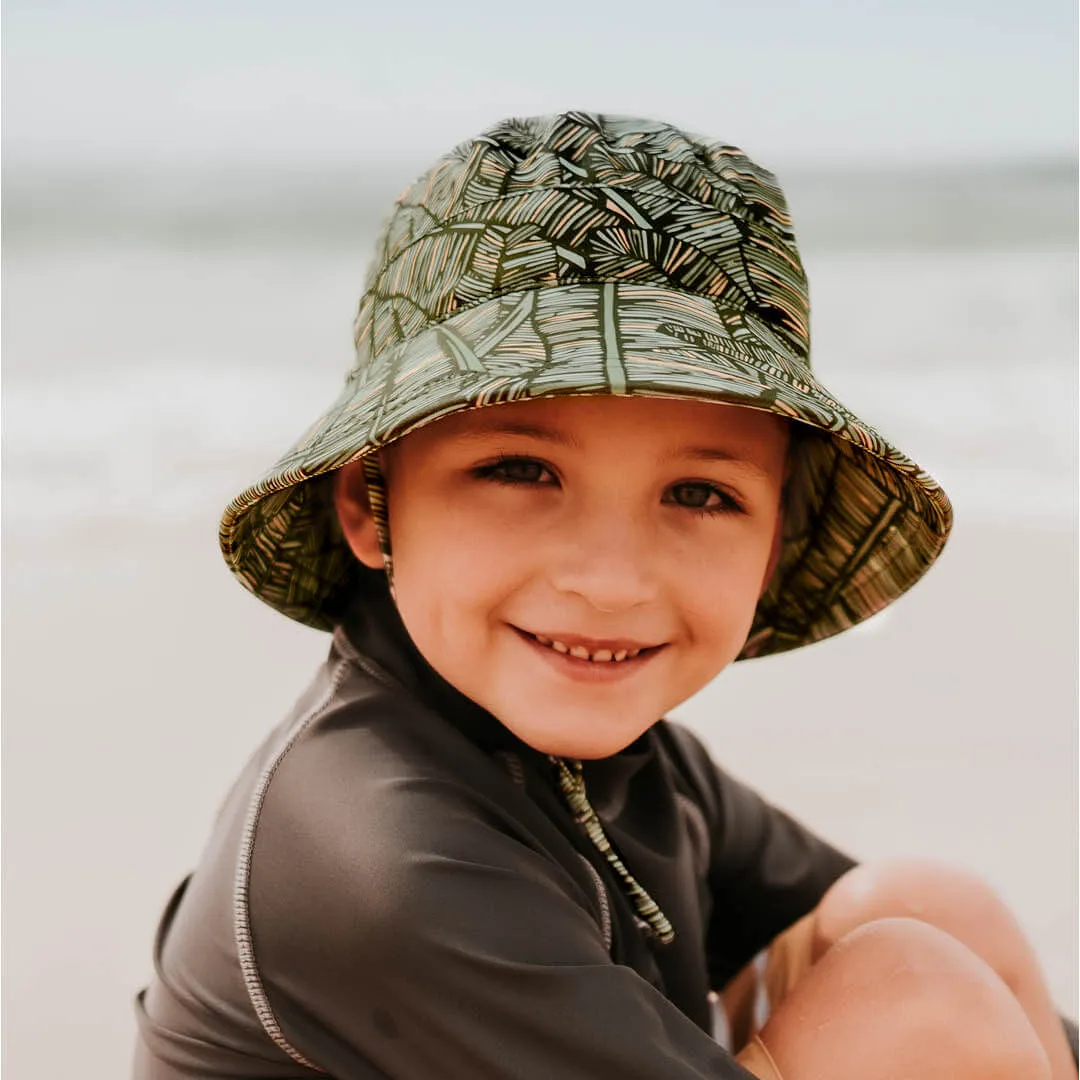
(552, 435)
(561, 438)
(716, 453)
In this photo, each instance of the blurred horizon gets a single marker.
(1002, 204)
(935, 124)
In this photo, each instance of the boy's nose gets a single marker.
(611, 567)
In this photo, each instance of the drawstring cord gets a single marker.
(376, 493)
(572, 785)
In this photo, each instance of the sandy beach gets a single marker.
(139, 677)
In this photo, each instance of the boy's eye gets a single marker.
(698, 495)
(517, 470)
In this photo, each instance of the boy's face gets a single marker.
(579, 566)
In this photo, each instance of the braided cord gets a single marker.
(376, 492)
(572, 785)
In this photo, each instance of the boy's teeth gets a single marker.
(579, 652)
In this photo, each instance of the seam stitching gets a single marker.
(241, 913)
(351, 654)
(605, 908)
(512, 764)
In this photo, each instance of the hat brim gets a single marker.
(864, 524)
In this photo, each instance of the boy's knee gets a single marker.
(953, 900)
(911, 991)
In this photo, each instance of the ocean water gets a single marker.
(164, 343)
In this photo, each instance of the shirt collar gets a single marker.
(374, 627)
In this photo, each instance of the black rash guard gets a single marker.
(396, 888)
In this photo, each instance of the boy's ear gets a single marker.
(354, 513)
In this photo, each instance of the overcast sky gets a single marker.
(799, 80)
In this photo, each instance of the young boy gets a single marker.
(581, 465)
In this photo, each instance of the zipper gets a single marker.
(572, 784)
(512, 764)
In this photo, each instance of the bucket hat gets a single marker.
(591, 254)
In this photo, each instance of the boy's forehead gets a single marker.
(663, 422)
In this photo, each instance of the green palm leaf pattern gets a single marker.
(590, 254)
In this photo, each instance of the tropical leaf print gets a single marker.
(589, 254)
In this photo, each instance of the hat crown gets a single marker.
(581, 198)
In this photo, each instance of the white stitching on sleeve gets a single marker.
(241, 911)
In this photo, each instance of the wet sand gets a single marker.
(139, 677)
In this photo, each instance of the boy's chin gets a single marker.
(588, 740)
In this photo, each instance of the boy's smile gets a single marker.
(588, 659)
(579, 566)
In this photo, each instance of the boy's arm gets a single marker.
(766, 870)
